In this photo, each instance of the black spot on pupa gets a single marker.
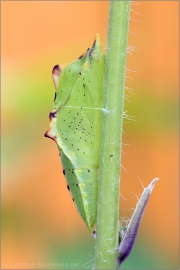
(76, 185)
(73, 199)
(111, 155)
(83, 85)
(81, 56)
(68, 187)
(94, 43)
(64, 172)
(88, 170)
(55, 96)
(80, 71)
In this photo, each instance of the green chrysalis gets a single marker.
(75, 126)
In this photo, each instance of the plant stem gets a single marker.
(111, 136)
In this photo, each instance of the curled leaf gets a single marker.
(130, 234)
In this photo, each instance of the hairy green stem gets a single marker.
(111, 136)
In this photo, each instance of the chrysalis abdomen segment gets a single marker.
(82, 184)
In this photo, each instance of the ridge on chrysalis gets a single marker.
(75, 126)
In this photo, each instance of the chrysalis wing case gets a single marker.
(75, 126)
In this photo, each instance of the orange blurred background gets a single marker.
(41, 228)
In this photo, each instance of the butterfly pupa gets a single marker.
(75, 126)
